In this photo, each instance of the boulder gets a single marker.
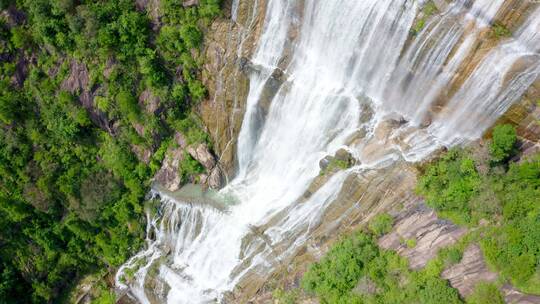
(216, 178)
(346, 156)
(169, 174)
(470, 271)
(323, 163)
(430, 232)
(149, 102)
(202, 154)
(189, 3)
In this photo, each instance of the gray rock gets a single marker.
(365, 286)
(78, 78)
(512, 295)
(202, 154)
(188, 3)
(323, 163)
(180, 139)
(216, 178)
(430, 232)
(470, 271)
(169, 174)
(149, 102)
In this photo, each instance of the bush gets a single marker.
(337, 273)
(511, 200)
(357, 271)
(503, 145)
(127, 104)
(381, 224)
(449, 184)
(485, 293)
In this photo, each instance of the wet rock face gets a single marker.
(226, 42)
(525, 114)
(203, 155)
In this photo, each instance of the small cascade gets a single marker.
(431, 62)
(267, 55)
(502, 78)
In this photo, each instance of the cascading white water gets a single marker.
(502, 77)
(346, 50)
(434, 57)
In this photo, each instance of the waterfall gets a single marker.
(502, 77)
(347, 70)
(434, 57)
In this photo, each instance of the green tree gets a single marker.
(503, 145)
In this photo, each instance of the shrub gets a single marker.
(485, 293)
(500, 31)
(127, 104)
(449, 184)
(503, 145)
(381, 224)
(337, 273)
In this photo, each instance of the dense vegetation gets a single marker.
(480, 188)
(506, 196)
(356, 270)
(72, 119)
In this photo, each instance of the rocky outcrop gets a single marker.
(188, 3)
(354, 207)
(472, 269)
(169, 175)
(225, 43)
(149, 102)
(514, 296)
(204, 156)
(77, 83)
(430, 234)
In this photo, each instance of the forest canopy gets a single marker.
(84, 86)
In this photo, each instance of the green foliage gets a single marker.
(381, 224)
(514, 247)
(411, 243)
(127, 105)
(71, 190)
(285, 297)
(507, 196)
(428, 10)
(344, 274)
(335, 275)
(335, 164)
(499, 31)
(104, 296)
(449, 184)
(189, 167)
(503, 145)
(485, 293)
